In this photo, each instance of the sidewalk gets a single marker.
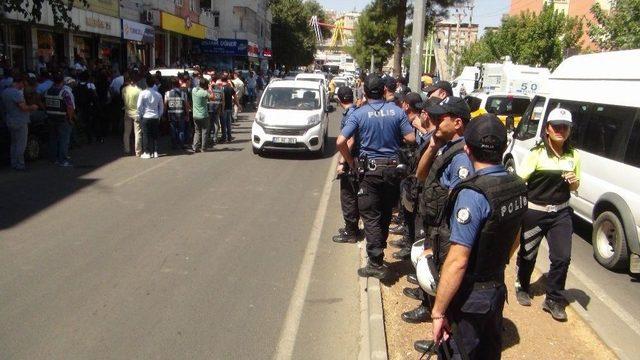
(529, 332)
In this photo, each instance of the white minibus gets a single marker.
(602, 92)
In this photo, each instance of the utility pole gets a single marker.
(417, 43)
(470, 6)
(457, 52)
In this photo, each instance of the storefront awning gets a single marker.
(135, 31)
(182, 26)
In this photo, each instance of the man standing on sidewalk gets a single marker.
(60, 106)
(17, 119)
(483, 218)
(130, 95)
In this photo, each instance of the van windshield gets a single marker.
(507, 105)
(291, 99)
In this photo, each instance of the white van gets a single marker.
(601, 91)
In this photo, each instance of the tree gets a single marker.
(373, 35)
(312, 7)
(32, 10)
(528, 38)
(618, 30)
(292, 39)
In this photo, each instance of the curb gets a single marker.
(373, 337)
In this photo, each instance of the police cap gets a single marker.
(345, 94)
(373, 86)
(452, 105)
(444, 85)
(391, 84)
(487, 133)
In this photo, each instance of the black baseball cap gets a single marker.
(373, 86)
(452, 105)
(345, 94)
(391, 84)
(444, 85)
(486, 132)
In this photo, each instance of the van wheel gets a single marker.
(320, 153)
(32, 152)
(256, 151)
(510, 166)
(609, 241)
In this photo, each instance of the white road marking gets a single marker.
(601, 294)
(296, 304)
(143, 172)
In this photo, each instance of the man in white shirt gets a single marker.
(150, 109)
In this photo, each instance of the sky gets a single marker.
(485, 13)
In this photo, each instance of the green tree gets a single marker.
(619, 29)
(528, 38)
(292, 39)
(32, 10)
(374, 34)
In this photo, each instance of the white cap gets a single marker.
(560, 116)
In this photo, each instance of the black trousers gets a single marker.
(557, 227)
(349, 202)
(376, 198)
(150, 134)
(478, 325)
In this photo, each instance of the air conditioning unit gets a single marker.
(147, 17)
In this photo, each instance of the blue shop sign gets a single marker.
(227, 47)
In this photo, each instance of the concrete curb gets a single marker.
(374, 340)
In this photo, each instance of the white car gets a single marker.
(292, 116)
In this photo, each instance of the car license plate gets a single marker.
(284, 140)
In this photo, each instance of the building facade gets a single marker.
(579, 8)
(152, 33)
(454, 39)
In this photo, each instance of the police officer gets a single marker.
(443, 165)
(479, 234)
(60, 107)
(552, 171)
(440, 90)
(381, 127)
(348, 186)
(413, 106)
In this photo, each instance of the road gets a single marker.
(181, 257)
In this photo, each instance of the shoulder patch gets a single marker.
(463, 216)
(463, 172)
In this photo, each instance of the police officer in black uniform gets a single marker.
(381, 126)
(348, 183)
(478, 235)
(442, 167)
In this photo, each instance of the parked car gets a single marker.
(36, 142)
(292, 116)
(601, 92)
(504, 105)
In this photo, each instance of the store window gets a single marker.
(16, 42)
(82, 47)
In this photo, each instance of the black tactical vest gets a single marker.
(507, 197)
(175, 102)
(434, 196)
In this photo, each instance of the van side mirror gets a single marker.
(510, 123)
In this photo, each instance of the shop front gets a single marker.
(139, 38)
(182, 32)
(222, 54)
(49, 45)
(253, 55)
(264, 60)
(14, 41)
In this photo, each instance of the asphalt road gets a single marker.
(181, 257)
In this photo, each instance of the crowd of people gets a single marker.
(461, 215)
(82, 105)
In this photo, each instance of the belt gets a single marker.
(548, 208)
(372, 164)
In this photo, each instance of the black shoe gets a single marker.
(417, 315)
(412, 279)
(402, 254)
(424, 346)
(555, 308)
(371, 270)
(402, 243)
(397, 230)
(523, 297)
(346, 236)
(414, 293)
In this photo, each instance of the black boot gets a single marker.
(414, 293)
(417, 315)
(404, 242)
(346, 236)
(373, 270)
(555, 308)
(402, 254)
(424, 346)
